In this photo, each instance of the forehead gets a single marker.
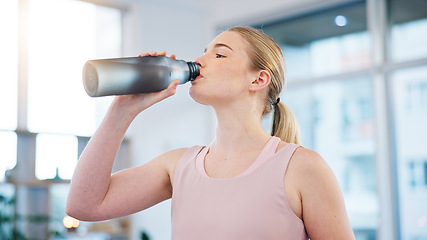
(232, 39)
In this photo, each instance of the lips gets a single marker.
(198, 77)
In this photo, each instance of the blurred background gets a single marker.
(356, 79)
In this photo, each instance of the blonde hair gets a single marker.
(265, 54)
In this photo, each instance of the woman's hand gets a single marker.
(135, 103)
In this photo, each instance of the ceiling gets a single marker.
(317, 25)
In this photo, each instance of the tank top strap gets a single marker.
(200, 160)
(265, 154)
(286, 153)
(186, 159)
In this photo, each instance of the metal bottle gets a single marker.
(122, 76)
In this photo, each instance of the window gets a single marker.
(59, 45)
(408, 97)
(56, 156)
(56, 45)
(408, 29)
(8, 143)
(336, 120)
(46, 116)
(9, 65)
(321, 44)
(410, 114)
(8, 85)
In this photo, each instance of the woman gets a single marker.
(246, 184)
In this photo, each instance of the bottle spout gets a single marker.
(194, 70)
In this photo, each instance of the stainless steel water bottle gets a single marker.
(122, 76)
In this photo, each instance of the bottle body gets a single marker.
(122, 76)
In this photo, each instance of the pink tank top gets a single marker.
(252, 205)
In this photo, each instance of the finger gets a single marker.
(174, 83)
(153, 53)
(144, 54)
(161, 53)
(172, 87)
(171, 90)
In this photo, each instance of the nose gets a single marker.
(200, 61)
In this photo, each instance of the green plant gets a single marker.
(144, 236)
(8, 219)
(8, 230)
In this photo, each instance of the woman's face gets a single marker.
(224, 71)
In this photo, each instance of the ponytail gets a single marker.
(285, 125)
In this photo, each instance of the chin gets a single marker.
(197, 96)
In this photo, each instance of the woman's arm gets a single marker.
(95, 194)
(323, 209)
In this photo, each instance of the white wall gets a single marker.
(184, 27)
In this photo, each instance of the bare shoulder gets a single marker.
(169, 159)
(322, 203)
(307, 161)
(312, 171)
(304, 163)
(173, 155)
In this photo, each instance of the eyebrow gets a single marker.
(218, 45)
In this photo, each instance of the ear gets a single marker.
(262, 81)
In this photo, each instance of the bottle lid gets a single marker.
(194, 70)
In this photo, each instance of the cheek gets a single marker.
(230, 77)
(226, 82)
(208, 92)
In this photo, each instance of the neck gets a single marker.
(239, 129)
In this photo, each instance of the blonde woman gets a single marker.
(247, 184)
